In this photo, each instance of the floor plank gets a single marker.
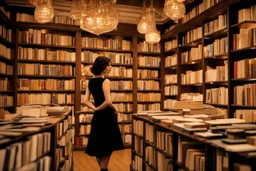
(120, 161)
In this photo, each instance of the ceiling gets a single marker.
(129, 10)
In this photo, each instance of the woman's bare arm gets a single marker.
(87, 97)
(108, 101)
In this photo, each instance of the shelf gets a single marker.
(150, 165)
(6, 92)
(127, 145)
(45, 61)
(197, 84)
(244, 79)
(5, 42)
(217, 105)
(47, 46)
(119, 78)
(149, 101)
(46, 91)
(245, 25)
(192, 62)
(7, 107)
(5, 75)
(171, 96)
(244, 49)
(138, 136)
(217, 83)
(150, 143)
(182, 166)
(165, 153)
(107, 50)
(137, 153)
(45, 76)
(194, 43)
(216, 34)
(125, 122)
(84, 123)
(244, 106)
(171, 67)
(121, 90)
(220, 56)
(49, 26)
(4, 59)
(148, 67)
(63, 104)
(169, 84)
(149, 91)
(5, 20)
(155, 79)
(83, 135)
(170, 51)
(122, 101)
(149, 53)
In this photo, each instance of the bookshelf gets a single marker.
(159, 146)
(49, 145)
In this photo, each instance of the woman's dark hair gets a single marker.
(99, 65)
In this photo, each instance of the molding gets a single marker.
(127, 14)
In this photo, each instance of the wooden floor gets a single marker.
(120, 161)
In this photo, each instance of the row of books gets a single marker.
(164, 142)
(153, 106)
(5, 52)
(218, 47)
(5, 84)
(45, 69)
(246, 38)
(144, 73)
(121, 85)
(149, 96)
(6, 69)
(170, 60)
(58, 19)
(6, 101)
(163, 163)
(46, 54)
(245, 68)
(106, 43)
(85, 129)
(138, 127)
(48, 84)
(127, 138)
(192, 55)
(192, 35)
(146, 47)
(121, 72)
(171, 90)
(116, 58)
(245, 95)
(216, 25)
(217, 96)
(126, 97)
(195, 97)
(137, 163)
(199, 9)
(149, 133)
(6, 33)
(247, 115)
(138, 145)
(192, 77)
(42, 37)
(44, 98)
(170, 79)
(148, 85)
(170, 45)
(150, 156)
(247, 14)
(218, 74)
(125, 128)
(151, 61)
(124, 117)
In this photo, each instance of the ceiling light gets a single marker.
(174, 9)
(44, 13)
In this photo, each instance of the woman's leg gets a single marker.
(98, 160)
(104, 161)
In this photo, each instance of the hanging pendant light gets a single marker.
(142, 26)
(174, 9)
(76, 9)
(153, 37)
(36, 2)
(44, 12)
(99, 17)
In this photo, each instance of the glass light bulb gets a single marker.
(153, 37)
(174, 9)
(76, 9)
(44, 13)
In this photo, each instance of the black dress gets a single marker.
(105, 136)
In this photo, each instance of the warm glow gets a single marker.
(153, 37)
(174, 9)
(44, 13)
(99, 17)
(76, 9)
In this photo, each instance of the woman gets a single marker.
(105, 136)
